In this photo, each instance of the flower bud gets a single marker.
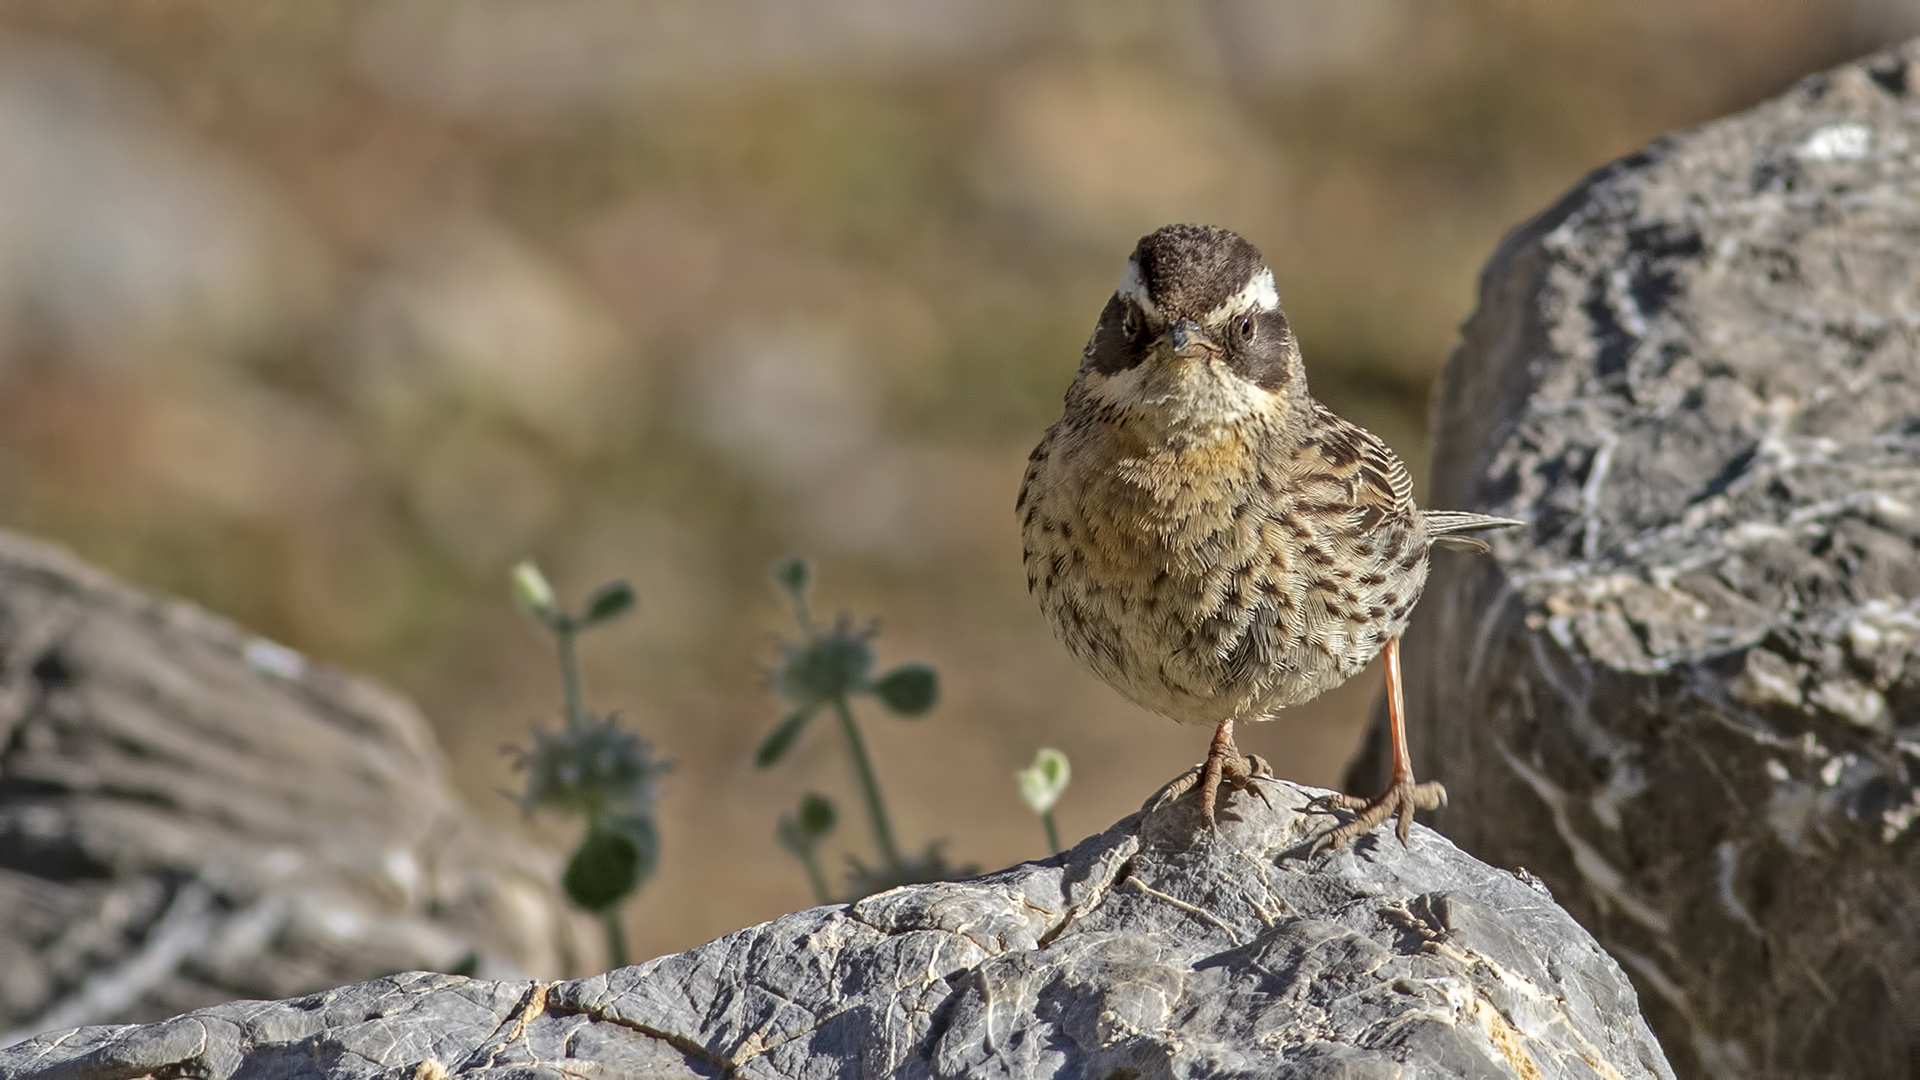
(531, 591)
(1043, 782)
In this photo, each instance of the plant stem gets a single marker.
(616, 939)
(815, 878)
(870, 785)
(1053, 832)
(563, 633)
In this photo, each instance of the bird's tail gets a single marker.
(1445, 528)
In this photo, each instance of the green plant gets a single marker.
(592, 767)
(825, 669)
(800, 834)
(1041, 785)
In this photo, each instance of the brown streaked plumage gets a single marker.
(1207, 537)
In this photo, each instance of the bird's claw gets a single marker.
(1257, 769)
(1172, 790)
(1400, 800)
(1240, 776)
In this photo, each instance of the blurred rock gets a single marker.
(468, 316)
(788, 400)
(190, 815)
(1301, 41)
(505, 62)
(1102, 151)
(1687, 698)
(1877, 21)
(798, 408)
(124, 241)
(1138, 953)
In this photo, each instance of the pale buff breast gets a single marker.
(1185, 581)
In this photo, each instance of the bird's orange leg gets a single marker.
(1402, 796)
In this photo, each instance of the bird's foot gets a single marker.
(1401, 799)
(1238, 772)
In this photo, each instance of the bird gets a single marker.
(1208, 538)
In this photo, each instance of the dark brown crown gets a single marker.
(1189, 270)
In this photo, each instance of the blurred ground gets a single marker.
(323, 314)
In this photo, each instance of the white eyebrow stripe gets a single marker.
(1134, 288)
(1259, 293)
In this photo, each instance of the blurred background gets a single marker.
(322, 315)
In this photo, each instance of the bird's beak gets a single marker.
(1189, 341)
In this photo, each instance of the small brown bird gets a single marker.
(1207, 537)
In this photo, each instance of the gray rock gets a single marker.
(1139, 953)
(1687, 698)
(190, 814)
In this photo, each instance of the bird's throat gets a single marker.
(1186, 405)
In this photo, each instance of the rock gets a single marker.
(1139, 953)
(190, 814)
(1687, 697)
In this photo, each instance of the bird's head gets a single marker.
(1194, 338)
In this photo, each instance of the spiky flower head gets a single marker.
(597, 768)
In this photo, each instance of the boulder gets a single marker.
(1150, 950)
(190, 814)
(1687, 697)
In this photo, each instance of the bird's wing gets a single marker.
(1351, 464)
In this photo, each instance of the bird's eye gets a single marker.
(1246, 327)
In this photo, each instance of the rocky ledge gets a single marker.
(1139, 953)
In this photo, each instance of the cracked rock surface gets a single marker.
(1140, 953)
(1689, 696)
(190, 814)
